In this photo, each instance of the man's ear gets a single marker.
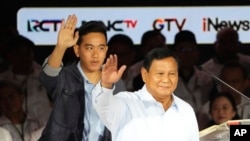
(76, 50)
(144, 74)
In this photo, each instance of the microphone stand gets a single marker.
(218, 79)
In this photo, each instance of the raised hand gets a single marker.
(110, 72)
(67, 36)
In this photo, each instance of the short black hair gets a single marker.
(156, 54)
(20, 41)
(89, 27)
(184, 35)
(121, 38)
(149, 34)
(230, 31)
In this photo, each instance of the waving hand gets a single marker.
(67, 36)
(110, 72)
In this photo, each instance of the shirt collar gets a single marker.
(82, 73)
(146, 96)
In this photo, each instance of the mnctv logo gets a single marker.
(208, 24)
(119, 25)
(43, 25)
(169, 24)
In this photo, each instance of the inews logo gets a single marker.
(208, 24)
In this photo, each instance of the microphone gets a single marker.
(218, 79)
(239, 122)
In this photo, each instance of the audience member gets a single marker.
(25, 71)
(123, 46)
(19, 123)
(35, 135)
(73, 117)
(152, 113)
(226, 48)
(150, 39)
(222, 108)
(235, 75)
(191, 85)
(7, 31)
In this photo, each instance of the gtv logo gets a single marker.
(169, 24)
(43, 25)
(119, 25)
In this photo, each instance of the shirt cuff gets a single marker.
(51, 71)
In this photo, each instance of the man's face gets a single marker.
(234, 78)
(10, 101)
(21, 58)
(227, 44)
(161, 79)
(92, 51)
(187, 53)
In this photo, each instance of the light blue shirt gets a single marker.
(137, 116)
(93, 127)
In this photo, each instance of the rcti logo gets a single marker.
(216, 24)
(119, 25)
(43, 25)
(169, 24)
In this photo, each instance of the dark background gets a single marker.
(9, 9)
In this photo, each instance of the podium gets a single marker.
(221, 132)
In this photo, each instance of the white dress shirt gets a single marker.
(20, 132)
(5, 135)
(35, 135)
(137, 116)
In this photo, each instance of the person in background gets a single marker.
(123, 46)
(233, 74)
(18, 122)
(73, 117)
(222, 108)
(152, 113)
(35, 135)
(25, 71)
(227, 49)
(150, 39)
(191, 85)
(7, 31)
